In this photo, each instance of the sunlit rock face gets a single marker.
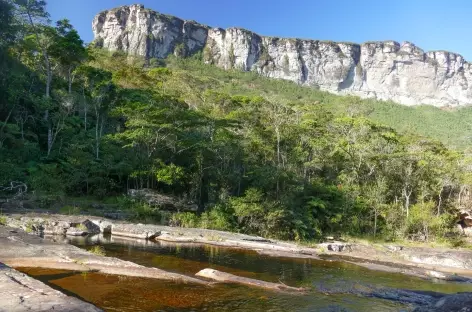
(386, 70)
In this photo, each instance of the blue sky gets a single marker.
(430, 24)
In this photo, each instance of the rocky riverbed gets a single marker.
(22, 249)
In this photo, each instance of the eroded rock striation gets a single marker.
(383, 70)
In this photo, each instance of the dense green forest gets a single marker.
(256, 155)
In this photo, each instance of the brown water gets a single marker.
(334, 286)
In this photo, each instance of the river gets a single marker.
(333, 285)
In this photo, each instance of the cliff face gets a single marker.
(384, 70)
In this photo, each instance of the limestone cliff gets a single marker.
(384, 70)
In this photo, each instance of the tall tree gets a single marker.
(68, 49)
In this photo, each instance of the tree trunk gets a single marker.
(440, 200)
(277, 132)
(49, 140)
(407, 205)
(69, 79)
(407, 194)
(85, 109)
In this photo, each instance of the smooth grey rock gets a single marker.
(104, 226)
(460, 259)
(140, 231)
(336, 246)
(384, 70)
(92, 227)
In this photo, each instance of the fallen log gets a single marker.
(230, 278)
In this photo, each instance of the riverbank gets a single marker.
(21, 249)
(432, 263)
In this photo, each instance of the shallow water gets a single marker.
(334, 286)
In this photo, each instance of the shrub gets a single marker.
(217, 219)
(70, 210)
(144, 212)
(424, 224)
(185, 219)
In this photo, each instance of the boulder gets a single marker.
(465, 222)
(104, 226)
(55, 228)
(336, 246)
(92, 228)
(140, 231)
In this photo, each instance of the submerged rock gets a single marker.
(460, 302)
(224, 277)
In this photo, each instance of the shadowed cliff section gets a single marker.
(383, 70)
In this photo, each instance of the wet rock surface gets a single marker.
(416, 298)
(20, 249)
(445, 264)
(461, 302)
(20, 292)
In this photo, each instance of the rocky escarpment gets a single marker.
(384, 70)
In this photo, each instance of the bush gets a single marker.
(47, 179)
(217, 218)
(145, 213)
(70, 210)
(424, 224)
(185, 219)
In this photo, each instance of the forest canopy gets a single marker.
(255, 155)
